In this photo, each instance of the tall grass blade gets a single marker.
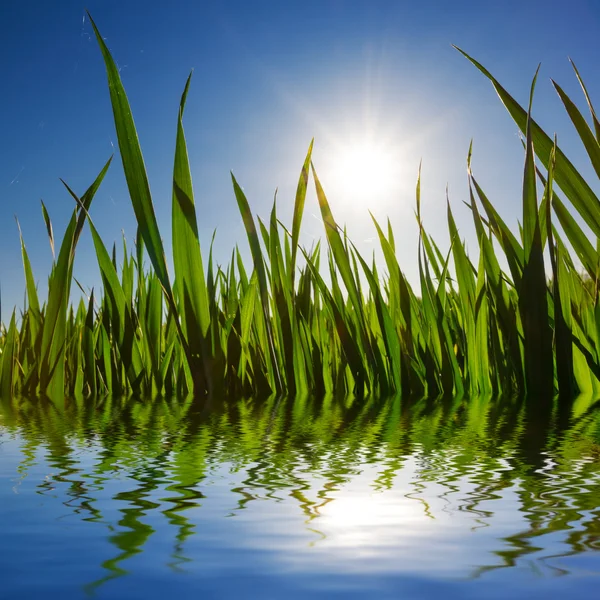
(259, 267)
(533, 302)
(576, 189)
(187, 258)
(133, 165)
(7, 364)
(299, 209)
(54, 330)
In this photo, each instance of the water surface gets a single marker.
(305, 498)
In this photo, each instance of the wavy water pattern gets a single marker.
(279, 498)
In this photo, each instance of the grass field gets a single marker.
(280, 326)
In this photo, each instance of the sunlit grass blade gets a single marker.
(259, 266)
(122, 323)
(482, 337)
(299, 209)
(589, 101)
(390, 337)
(32, 295)
(591, 144)
(133, 165)
(340, 255)
(590, 259)
(576, 189)
(187, 257)
(348, 343)
(511, 247)
(282, 303)
(7, 364)
(53, 335)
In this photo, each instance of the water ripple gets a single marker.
(454, 490)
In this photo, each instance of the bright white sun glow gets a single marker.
(365, 171)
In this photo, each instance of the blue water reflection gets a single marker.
(285, 499)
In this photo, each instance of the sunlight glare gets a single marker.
(365, 171)
(368, 509)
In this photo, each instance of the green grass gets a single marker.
(277, 326)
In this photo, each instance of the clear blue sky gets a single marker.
(268, 76)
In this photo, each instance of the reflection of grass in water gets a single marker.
(284, 325)
(308, 451)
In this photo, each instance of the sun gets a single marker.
(364, 171)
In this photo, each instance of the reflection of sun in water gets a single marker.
(349, 512)
(379, 531)
(364, 170)
(366, 520)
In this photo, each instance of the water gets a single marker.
(320, 499)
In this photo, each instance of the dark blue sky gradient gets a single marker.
(268, 76)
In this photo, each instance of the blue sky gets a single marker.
(269, 76)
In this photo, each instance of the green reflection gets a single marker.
(161, 455)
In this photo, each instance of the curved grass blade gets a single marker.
(586, 135)
(123, 324)
(133, 165)
(390, 336)
(299, 209)
(48, 228)
(566, 176)
(340, 255)
(588, 100)
(349, 346)
(7, 364)
(54, 331)
(259, 266)
(32, 296)
(187, 257)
